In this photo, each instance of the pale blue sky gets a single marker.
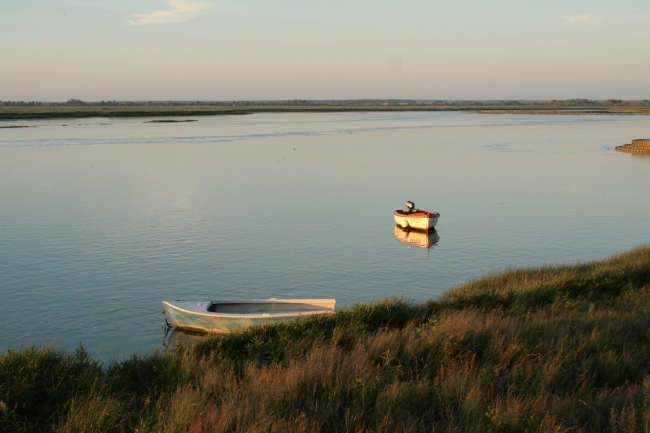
(55, 50)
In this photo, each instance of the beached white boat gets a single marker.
(224, 316)
(416, 218)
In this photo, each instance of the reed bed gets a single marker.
(89, 110)
(560, 348)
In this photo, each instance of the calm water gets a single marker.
(102, 220)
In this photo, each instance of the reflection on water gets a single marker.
(417, 239)
(174, 337)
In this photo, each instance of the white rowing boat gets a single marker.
(224, 316)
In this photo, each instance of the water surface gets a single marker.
(102, 219)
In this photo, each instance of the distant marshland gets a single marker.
(80, 109)
(168, 121)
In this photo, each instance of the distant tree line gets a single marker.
(22, 103)
(350, 102)
(552, 103)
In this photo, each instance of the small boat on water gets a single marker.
(224, 316)
(415, 218)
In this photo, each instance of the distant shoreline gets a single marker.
(580, 112)
(58, 112)
(52, 114)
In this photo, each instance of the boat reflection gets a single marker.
(174, 337)
(417, 239)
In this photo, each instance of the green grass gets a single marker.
(550, 349)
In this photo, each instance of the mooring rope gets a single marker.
(167, 324)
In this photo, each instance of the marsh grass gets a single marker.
(550, 349)
(59, 111)
(168, 121)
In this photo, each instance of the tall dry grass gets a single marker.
(551, 349)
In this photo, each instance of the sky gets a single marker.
(159, 50)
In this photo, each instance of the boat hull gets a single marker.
(194, 316)
(417, 222)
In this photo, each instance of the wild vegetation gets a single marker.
(557, 348)
(77, 108)
(169, 121)
(49, 112)
(568, 103)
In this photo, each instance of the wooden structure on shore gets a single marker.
(637, 146)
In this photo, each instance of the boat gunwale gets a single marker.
(418, 214)
(253, 301)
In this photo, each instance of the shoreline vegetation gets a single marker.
(169, 121)
(571, 112)
(556, 348)
(74, 108)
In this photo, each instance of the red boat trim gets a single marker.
(416, 214)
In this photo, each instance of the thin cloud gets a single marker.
(602, 19)
(183, 10)
(583, 19)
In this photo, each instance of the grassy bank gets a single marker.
(609, 112)
(27, 113)
(53, 112)
(551, 349)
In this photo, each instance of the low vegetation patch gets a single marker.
(550, 349)
(75, 112)
(168, 121)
